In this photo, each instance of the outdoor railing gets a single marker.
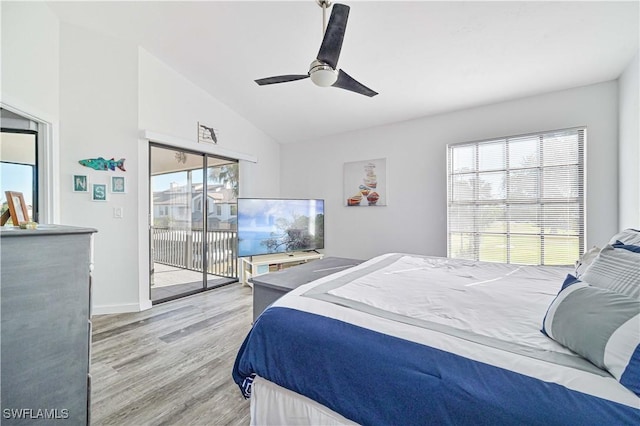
(183, 248)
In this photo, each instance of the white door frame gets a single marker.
(48, 159)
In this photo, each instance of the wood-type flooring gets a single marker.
(171, 365)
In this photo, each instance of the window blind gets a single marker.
(517, 199)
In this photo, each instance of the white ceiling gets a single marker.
(423, 57)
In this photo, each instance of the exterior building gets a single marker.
(179, 207)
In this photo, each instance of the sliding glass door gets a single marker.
(221, 221)
(193, 216)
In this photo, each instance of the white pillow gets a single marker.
(615, 269)
(586, 259)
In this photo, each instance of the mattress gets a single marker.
(430, 340)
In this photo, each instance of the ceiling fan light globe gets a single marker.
(322, 74)
(324, 78)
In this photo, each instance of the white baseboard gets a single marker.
(120, 309)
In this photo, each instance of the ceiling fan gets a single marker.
(323, 69)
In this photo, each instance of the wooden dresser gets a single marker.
(45, 290)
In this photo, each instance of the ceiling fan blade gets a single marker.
(281, 79)
(333, 36)
(345, 81)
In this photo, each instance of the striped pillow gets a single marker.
(601, 325)
(628, 236)
(615, 269)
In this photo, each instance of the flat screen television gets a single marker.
(276, 225)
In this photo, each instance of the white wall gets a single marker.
(110, 90)
(30, 51)
(29, 86)
(629, 149)
(415, 219)
(99, 118)
(172, 105)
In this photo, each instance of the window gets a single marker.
(517, 199)
(18, 168)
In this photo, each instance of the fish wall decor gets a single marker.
(102, 164)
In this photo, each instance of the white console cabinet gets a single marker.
(252, 266)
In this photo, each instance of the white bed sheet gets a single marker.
(490, 285)
(496, 300)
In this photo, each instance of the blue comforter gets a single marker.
(377, 379)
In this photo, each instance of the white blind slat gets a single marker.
(518, 199)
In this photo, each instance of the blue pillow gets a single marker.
(601, 325)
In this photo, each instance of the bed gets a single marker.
(408, 339)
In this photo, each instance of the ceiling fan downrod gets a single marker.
(324, 4)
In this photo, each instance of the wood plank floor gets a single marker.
(171, 365)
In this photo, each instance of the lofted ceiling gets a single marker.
(423, 57)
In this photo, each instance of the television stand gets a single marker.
(252, 266)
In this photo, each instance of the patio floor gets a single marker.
(171, 281)
(165, 275)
